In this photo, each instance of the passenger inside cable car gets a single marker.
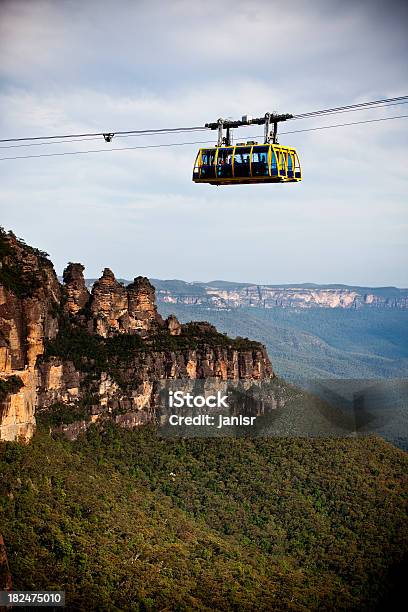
(207, 161)
(224, 163)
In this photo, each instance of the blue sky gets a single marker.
(93, 66)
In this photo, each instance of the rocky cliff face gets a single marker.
(128, 392)
(29, 298)
(86, 355)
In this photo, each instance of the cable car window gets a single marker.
(274, 165)
(224, 163)
(241, 161)
(260, 161)
(290, 165)
(282, 167)
(298, 172)
(207, 163)
(196, 169)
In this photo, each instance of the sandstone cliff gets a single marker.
(84, 355)
(29, 298)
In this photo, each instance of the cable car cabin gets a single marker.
(249, 163)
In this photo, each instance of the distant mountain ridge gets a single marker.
(219, 294)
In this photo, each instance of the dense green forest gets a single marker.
(125, 520)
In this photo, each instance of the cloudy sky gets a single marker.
(70, 66)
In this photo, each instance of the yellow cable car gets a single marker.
(247, 163)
